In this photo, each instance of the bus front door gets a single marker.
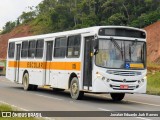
(18, 48)
(48, 61)
(87, 69)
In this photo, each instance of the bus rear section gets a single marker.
(102, 59)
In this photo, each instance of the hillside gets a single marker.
(153, 42)
(20, 31)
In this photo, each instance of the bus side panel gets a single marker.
(10, 70)
(54, 78)
(10, 73)
(21, 71)
(36, 76)
(33, 69)
(63, 77)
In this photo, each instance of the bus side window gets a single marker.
(60, 47)
(31, 51)
(39, 48)
(73, 48)
(24, 50)
(11, 50)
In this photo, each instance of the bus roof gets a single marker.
(71, 32)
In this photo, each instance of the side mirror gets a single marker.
(96, 44)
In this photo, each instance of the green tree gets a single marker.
(8, 27)
(60, 15)
(27, 16)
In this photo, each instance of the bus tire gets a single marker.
(26, 84)
(74, 89)
(117, 96)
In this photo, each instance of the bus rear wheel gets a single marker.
(117, 96)
(26, 84)
(74, 89)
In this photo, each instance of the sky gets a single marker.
(10, 10)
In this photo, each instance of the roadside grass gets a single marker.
(153, 83)
(151, 64)
(4, 107)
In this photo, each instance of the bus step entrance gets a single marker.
(47, 86)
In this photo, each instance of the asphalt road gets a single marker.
(48, 100)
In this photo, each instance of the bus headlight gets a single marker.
(103, 78)
(99, 75)
(145, 78)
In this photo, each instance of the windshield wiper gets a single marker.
(118, 47)
(134, 46)
(131, 50)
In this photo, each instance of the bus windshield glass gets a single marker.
(121, 54)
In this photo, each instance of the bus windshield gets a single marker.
(117, 53)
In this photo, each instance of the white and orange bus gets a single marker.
(101, 59)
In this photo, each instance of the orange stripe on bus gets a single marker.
(12, 64)
(47, 65)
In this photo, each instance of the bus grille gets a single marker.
(126, 81)
(117, 87)
(123, 73)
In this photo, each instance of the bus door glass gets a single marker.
(18, 48)
(88, 54)
(49, 51)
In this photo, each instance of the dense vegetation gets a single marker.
(153, 83)
(60, 15)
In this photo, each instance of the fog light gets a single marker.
(142, 80)
(139, 81)
(108, 80)
(103, 78)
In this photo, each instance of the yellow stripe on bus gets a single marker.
(46, 65)
(12, 64)
(136, 65)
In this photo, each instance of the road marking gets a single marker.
(43, 95)
(143, 118)
(71, 102)
(132, 101)
(13, 106)
(143, 103)
(48, 97)
(103, 109)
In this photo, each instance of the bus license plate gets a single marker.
(123, 86)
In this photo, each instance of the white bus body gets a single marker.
(81, 60)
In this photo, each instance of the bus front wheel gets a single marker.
(117, 96)
(26, 84)
(74, 89)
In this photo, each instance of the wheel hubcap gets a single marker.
(25, 81)
(74, 88)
